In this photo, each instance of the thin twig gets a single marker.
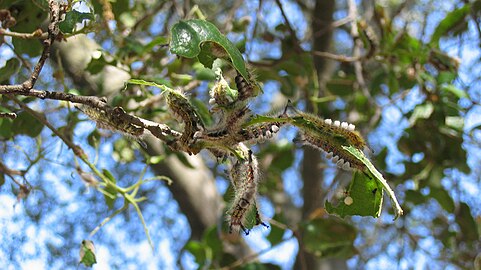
(53, 32)
(37, 34)
(340, 58)
(357, 49)
(290, 28)
(5, 170)
(27, 65)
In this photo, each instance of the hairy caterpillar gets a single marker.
(185, 112)
(244, 178)
(244, 88)
(112, 120)
(260, 132)
(330, 136)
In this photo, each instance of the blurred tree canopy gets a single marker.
(404, 72)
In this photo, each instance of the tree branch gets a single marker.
(53, 32)
(37, 34)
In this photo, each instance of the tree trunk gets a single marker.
(312, 173)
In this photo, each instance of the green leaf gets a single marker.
(459, 93)
(183, 159)
(6, 131)
(276, 235)
(456, 122)
(373, 172)
(29, 18)
(443, 198)
(110, 189)
(109, 175)
(422, 111)
(189, 36)
(72, 18)
(452, 22)
(414, 196)
(26, 124)
(93, 138)
(260, 266)
(97, 64)
(148, 83)
(202, 111)
(87, 253)
(155, 159)
(363, 198)
(202, 253)
(213, 241)
(468, 229)
(445, 77)
(11, 67)
(329, 237)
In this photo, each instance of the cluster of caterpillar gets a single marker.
(112, 120)
(330, 136)
(244, 177)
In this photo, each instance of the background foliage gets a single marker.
(404, 72)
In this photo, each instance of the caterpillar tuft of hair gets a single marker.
(244, 177)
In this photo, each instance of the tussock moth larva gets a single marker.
(244, 88)
(244, 177)
(112, 121)
(185, 112)
(330, 136)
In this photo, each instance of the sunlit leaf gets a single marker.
(189, 36)
(452, 22)
(363, 198)
(72, 18)
(373, 172)
(423, 111)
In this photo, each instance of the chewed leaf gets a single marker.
(376, 175)
(188, 36)
(363, 198)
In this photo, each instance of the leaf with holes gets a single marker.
(373, 173)
(202, 39)
(363, 198)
